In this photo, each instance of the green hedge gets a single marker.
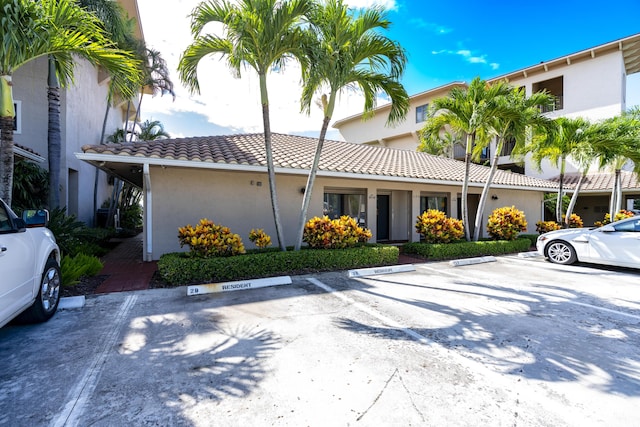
(439, 251)
(181, 269)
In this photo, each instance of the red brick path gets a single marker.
(125, 268)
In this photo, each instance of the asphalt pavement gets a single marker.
(512, 341)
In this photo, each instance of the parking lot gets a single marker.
(518, 341)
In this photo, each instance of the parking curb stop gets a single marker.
(469, 261)
(71, 302)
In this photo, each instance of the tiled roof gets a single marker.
(602, 181)
(296, 153)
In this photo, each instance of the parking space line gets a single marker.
(83, 390)
(384, 319)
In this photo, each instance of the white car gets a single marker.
(617, 243)
(29, 267)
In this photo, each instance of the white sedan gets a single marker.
(617, 243)
(29, 267)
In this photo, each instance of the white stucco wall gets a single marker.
(183, 196)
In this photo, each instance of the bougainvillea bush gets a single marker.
(210, 240)
(506, 223)
(326, 233)
(436, 227)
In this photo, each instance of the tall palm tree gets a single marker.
(260, 34)
(556, 145)
(156, 78)
(347, 51)
(620, 146)
(467, 111)
(60, 28)
(517, 116)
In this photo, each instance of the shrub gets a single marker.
(621, 214)
(210, 240)
(73, 268)
(74, 237)
(506, 223)
(435, 227)
(440, 251)
(325, 233)
(178, 269)
(574, 221)
(546, 226)
(259, 238)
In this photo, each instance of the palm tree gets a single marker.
(262, 35)
(50, 27)
(156, 78)
(466, 111)
(151, 130)
(517, 117)
(346, 51)
(620, 146)
(556, 145)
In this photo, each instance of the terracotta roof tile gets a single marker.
(601, 181)
(296, 152)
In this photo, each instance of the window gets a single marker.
(353, 205)
(554, 87)
(421, 113)
(438, 202)
(17, 120)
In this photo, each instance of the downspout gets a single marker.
(148, 206)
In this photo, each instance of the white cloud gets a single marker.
(224, 100)
(468, 56)
(429, 26)
(386, 4)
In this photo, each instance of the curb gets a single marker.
(71, 302)
(469, 261)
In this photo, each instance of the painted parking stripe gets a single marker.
(238, 285)
(381, 270)
(78, 397)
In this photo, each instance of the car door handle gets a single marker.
(3, 249)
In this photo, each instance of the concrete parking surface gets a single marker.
(517, 342)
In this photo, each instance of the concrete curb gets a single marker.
(469, 261)
(71, 302)
(530, 254)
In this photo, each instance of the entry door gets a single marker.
(383, 217)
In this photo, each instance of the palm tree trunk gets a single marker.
(616, 195)
(270, 167)
(7, 113)
(574, 199)
(485, 191)
(54, 143)
(137, 116)
(97, 174)
(465, 185)
(560, 193)
(308, 190)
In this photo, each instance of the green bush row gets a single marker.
(181, 269)
(439, 251)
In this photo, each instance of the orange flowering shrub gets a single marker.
(505, 223)
(435, 227)
(325, 233)
(210, 240)
(574, 221)
(622, 214)
(259, 238)
(545, 226)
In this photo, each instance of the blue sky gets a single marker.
(445, 42)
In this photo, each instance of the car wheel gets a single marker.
(560, 252)
(46, 302)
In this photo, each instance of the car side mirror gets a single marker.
(35, 217)
(607, 228)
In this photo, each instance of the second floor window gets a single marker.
(421, 113)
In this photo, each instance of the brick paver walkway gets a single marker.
(125, 268)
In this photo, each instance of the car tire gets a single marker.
(48, 297)
(560, 252)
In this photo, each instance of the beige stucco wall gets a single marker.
(240, 200)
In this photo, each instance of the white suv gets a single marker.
(29, 267)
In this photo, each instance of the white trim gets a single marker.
(27, 154)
